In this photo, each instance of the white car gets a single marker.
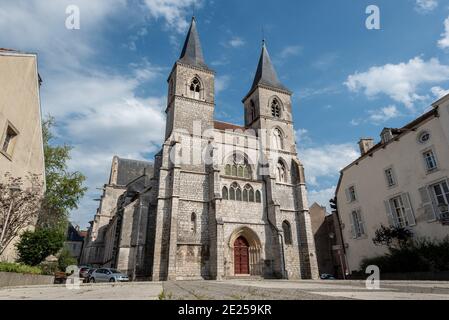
(107, 275)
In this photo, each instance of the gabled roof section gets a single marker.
(266, 74)
(192, 53)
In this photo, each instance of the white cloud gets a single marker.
(399, 81)
(326, 161)
(290, 51)
(443, 43)
(97, 109)
(174, 12)
(321, 196)
(439, 92)
(222, 83)
(383, 114)
(39, 26)
(236, 42)
(302, 136)
(426, 6)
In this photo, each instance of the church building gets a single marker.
(220, 200)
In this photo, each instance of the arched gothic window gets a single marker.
(195, 88)
(224, 193)
(281, 172)
(245, 195)
(287, 232)
(248, 193)
(238, 194)
(277, 139)
(228, 170)
(258, 197)
(235, 193)
(275, 108)
(234, 170)
(252, 111)
(193, 222)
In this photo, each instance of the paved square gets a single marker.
(236, 290)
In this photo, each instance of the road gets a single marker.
(235, 290)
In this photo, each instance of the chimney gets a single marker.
(365, 145)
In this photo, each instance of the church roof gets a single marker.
(192, 53)
(128, 170)
(266, 74)
(219, 125)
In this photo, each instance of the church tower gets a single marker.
(268, 106)
(190, 88)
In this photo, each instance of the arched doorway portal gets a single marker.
(246, 253)
(241, 256)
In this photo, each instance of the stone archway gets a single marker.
(246, 252)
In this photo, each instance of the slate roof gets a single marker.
(266, 74)
(128, 170)
(192, 53)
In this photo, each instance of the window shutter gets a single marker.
(353, 229)
(391, 220)
(426, 204)
(348, 196)
(411, 221)
(360, 221)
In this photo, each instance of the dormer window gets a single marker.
(275, 108)
(386, 135)
(195, 89)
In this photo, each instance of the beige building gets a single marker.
(21, 147)
(401, 181)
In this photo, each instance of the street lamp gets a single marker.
(12, 190)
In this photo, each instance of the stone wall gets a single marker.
(11, 279)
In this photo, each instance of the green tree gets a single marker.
(65, 260)
(64, 189)
(35, 246)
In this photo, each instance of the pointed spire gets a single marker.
(192, 54)
(266, 74)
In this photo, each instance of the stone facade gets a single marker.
(223, 200)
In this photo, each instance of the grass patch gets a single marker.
(19, 268)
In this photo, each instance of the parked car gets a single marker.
(107, 275)
(326, 276)
(89, 274)
(83, 272)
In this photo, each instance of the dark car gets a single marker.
(83, 272)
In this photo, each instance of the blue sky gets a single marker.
(106, 83)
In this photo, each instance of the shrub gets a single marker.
(392, 236)
(420, 255)
(65, 260)
(34, 247)
(19, 268)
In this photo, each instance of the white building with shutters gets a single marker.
(400, 181)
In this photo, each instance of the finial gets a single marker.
(193, 10)
(263, 36)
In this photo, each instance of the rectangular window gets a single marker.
(389, 175)
(400, 212)
(9, 140)
(397, 205)
(358, 228)
(430, 160)
(350, 194)
(441, 193)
